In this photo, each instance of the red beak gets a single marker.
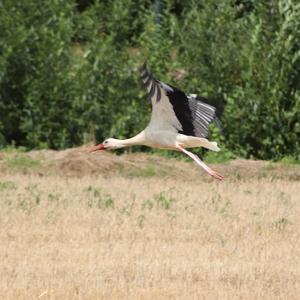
(97, 148)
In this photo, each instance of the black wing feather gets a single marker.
(193, 114)
(152, 90)
(158, 94)
(147, 79)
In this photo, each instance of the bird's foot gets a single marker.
(216, 175)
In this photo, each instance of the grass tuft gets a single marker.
(7, 185)
(97, 198)
(21, 163)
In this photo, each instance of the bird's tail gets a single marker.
(214, 146)
(209, 145)
(193, 141)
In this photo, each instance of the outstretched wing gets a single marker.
(173, 108)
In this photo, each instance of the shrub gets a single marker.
(67, 69)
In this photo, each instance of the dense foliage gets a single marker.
(68, 68)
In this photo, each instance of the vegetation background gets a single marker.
(69, 67)
(139, 226)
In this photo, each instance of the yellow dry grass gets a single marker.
(153, 237)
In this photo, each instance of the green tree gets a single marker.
(67, 67)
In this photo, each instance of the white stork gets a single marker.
(177, 122)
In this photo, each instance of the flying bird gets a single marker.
(178, 121)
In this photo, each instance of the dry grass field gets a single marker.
(78, 226)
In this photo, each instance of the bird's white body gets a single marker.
(173, 114)
(163, 132)
(173, 140)
(163, 140)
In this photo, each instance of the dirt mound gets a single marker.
(78, 162)
(247, 169)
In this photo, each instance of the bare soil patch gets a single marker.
(77, 162)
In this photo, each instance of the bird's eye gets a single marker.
(105, 142)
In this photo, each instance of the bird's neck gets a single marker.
(139, 139)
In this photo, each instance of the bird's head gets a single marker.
(108, 144)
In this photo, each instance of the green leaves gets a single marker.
(250, 65)
(65, 70)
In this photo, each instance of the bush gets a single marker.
(35, 72)
(69, 69)
(249, 65)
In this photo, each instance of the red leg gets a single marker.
(211, 172)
